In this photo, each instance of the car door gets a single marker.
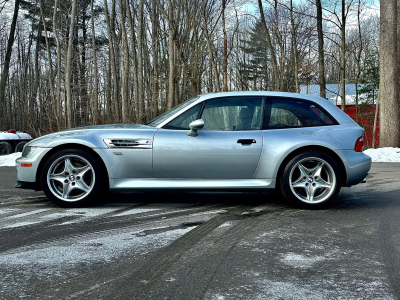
(228, 147)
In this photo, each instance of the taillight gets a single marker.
(358, 147)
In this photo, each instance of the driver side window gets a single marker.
(236, 113)
(182, 122)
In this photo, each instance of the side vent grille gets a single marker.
(124, 143)
(129, 143)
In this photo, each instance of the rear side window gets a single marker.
(294, 113)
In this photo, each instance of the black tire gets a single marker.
(302, 185)
(5, 148)
(65, 187)
(20, 146)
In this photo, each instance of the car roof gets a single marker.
(260, 93)
(337, 113)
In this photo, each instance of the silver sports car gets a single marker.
(303, 146)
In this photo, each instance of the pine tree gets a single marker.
(256, 71)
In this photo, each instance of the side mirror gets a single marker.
(194, 126)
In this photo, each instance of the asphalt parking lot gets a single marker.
(202, 245)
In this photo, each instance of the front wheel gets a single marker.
(311, 179)
(72, 178)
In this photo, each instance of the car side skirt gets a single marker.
(191, 184)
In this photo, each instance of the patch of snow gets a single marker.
(388, 154)
(9, 136)
(212, 212)
(301, 261)
(24, 136)
(136, 211)
(226, 224)
(88, 212)
(9, 160)
(6, 211)
(15, 136)
(275, 290)
(105, 249)
(28, 213)
(20, 224)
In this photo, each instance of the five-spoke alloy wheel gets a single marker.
(311, 179)
(72, 178)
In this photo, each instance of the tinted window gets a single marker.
(292, 113)
(238, 113)
(182, 122)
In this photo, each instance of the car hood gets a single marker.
(93, 134)
(110, 126)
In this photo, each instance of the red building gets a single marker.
(364, 116)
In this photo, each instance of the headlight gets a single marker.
(28, 150)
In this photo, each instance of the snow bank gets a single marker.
(388, 154)
(9, 160)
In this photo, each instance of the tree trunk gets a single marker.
(113, 64)
(68, 65)
(83, 93)
(225, 54)
(388, 89)
(321, 55)
(294, 47)
(53, 98)
(343, 56)
(156, 85)
(134, 54)
(6, 67)
(125, 64)
(95, 101)
(271, 49)
(140, 37)
(374, 141)
(58, 49)
(171, 60)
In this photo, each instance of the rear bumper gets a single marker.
(357, 166)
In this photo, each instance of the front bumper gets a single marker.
(26, 177)
(27, 185)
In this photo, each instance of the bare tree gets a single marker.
(321, 55)
(294, 47)
(95, 101)
(68, 66)
(277, 75)
(6, 67)
(125, 64)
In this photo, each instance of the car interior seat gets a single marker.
(244, 119)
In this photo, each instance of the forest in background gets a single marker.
(75, 63)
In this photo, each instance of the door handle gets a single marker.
(246, 141)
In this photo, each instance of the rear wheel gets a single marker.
(72, 178)
(5, 148)
(20, 146)
(311, 179)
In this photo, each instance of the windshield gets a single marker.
(161, 118)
